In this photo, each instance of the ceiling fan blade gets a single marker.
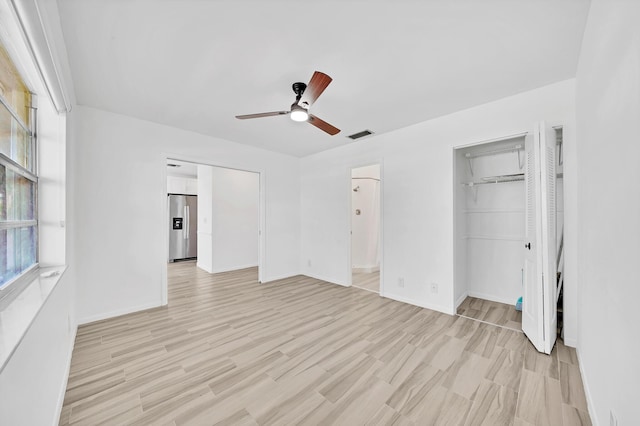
(262, 114)
(322, 125)
(319, 81)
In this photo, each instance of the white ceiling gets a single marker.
(195, 64)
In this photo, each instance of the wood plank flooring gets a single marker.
(366, 281)
(492, 312)
(230, 351)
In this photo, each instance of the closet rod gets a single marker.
(366, 178)
(495, 179)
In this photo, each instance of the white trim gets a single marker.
(492, 298)
(279, 277)
(232, 268)
(494, 237)
(37, 41)
(119, 312)
(65, 380)
(366, 269)
(498, 139)
(200, 266)
(328, 280)
(365, 289)
(26, 306)
(460, 299)
(164, 278)
(432, 306)
(587, 392)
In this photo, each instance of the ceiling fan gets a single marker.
(306, 95)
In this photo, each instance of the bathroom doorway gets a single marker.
(365, 227)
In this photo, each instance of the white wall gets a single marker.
(51, 184)
(33, 382)
(122, 249)
(235, 222)
(182, 185)
(205, 214)
(228, 219)
(417, 193)
(608, 125)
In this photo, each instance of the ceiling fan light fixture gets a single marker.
(298, 113)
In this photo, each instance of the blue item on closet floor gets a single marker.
(519, 304)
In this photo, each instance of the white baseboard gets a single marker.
(587, 391)
(366, 269)
(266, 280)
(492, 298)
(65, 381)
(119, 312)
(321, 278)
(234, 268)
(460, 300)
(434, 307)
(201, 266)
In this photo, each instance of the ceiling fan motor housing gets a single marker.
(298, 88)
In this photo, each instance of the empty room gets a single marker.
(319, 213)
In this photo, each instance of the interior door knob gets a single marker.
(527, 246)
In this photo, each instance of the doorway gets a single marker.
(229, 216)
(508, 250)
(366, 228)
(490, 229)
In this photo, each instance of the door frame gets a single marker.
(349, 188)
(455, 184)
(166, 156)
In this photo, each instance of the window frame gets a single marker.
(17, 283)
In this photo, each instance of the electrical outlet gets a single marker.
(401, 282)
(613, 421)
(434, 287)
(308, 262)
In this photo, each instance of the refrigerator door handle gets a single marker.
(185, 233)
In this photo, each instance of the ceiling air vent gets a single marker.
(360, 134)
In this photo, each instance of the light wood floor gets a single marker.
(229, 351)
(366, 281)
(491, 312)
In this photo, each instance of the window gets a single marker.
(18, 180)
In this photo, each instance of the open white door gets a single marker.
(549, 248)
(532, 314)
(539, 315)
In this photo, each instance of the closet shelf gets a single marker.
(496, 179)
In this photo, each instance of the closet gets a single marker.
(507, 232)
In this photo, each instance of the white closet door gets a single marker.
(532, 298)
(539, 315)
(548, 219)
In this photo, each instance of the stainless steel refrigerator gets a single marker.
(183, 222)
